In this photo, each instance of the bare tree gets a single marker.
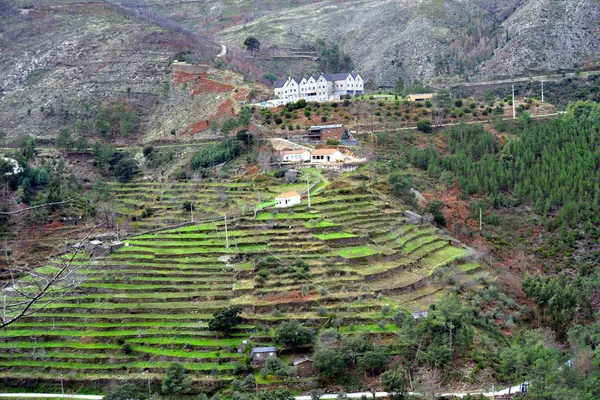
(27, 291)
(430, 383)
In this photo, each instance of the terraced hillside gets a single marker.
(152, 205)
(147, 304)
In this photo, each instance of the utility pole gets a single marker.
(514, 106)
(308, 190)
(192, 211)
(480, 220)
(542, 91)
(62, 386)
(226, 236)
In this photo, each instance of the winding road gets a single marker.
(357, 395)
(223, 51)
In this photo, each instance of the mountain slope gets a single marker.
(426, 39)
(60, 63)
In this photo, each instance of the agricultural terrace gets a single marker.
(350, 260)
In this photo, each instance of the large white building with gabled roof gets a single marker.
(324, 87)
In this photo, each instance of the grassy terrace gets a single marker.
(158, 293)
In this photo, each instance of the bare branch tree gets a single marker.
(39, 289)
(34, 207)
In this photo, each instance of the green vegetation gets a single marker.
(216, 154)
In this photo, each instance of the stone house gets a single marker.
(323, 133)
(305, 367)
(260, 354)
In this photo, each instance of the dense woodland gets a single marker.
(551, 168)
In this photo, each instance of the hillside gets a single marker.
(351, 261)
(427, 40)
(80, 66)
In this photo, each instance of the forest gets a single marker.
(551, 166)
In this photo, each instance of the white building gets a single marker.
(295, 155)
(324, 87)
(287, 199)
(326, 156)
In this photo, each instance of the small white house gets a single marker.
(295, 155)
(326, 156)
(287, 199)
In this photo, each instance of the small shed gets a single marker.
(420, 314)
(71, 221)
(287, 199)
(260, 354)
(295, 155)
(242, 347)
(305, 367)
(421, 97)
(326, 156)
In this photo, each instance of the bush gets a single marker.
(176, 380)
(125, 169)
(322, 311)
(148, 150)
(216, 154)
(126, 391)
(293, 335)
(324, 118)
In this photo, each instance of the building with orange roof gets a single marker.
(295, 155)
(326, 156)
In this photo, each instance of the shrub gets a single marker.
(216, 154)
(126, 391)
(324, 118)
(424, 126)
(322, 311)
(125, 169)
(176, 380)
(293, 335)
(148, 150)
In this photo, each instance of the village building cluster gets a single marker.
(323, 87)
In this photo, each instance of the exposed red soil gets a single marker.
(456, 210)
(224, 109)
(288, 297)
(205, 85)
(184, 77)
(196, 127)
(242, 94)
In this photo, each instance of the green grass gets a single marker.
(354, 252)
(320, 224)
(368, 328)
(335, 235)
(265, 216)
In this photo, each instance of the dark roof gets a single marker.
(264, 349)
(341, 76)
(280, 83)
(319, 127)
